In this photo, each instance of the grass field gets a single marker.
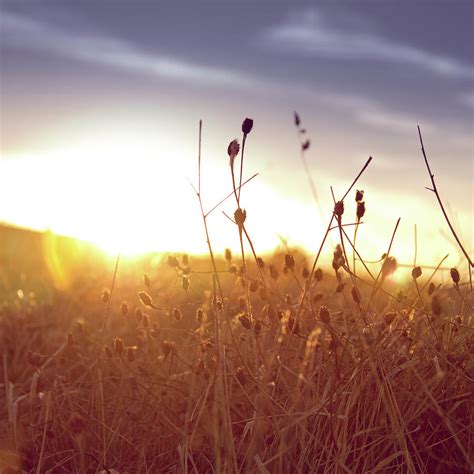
(232, 362)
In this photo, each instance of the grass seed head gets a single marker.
(359, 195)
(138, 314)
(253, 287)
(289, 261)
(245, 321)
(389, 266)
(324, 314)
(105, 296)
(118, 345)
(145, 298)
(318, 274)
(455, 275)
(240, 215)
(177, 315)
(339, 208)
(228, 255)
(124, 309)
(360, 210)
(247, 126)
(416, 273)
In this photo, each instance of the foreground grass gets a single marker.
(197, 384)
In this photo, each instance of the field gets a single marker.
(232, 362)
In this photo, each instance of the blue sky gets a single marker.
(361, 74)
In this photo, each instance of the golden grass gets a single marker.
(243, 364)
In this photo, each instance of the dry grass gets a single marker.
(243, 365)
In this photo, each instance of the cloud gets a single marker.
(309, 33)
(28, 33)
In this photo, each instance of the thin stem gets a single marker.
(435, 190)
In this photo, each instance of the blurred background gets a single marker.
(100, 110)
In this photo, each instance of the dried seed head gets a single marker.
(240, 215)
(297, 120)
(359, 196)
(339, 208)
(245, 321)
(305, 273)
(177, 314)
(389, 266)
(289, 261)
(257, 327)
(455, 275)
(416, 273)
(273, 272)
(324, 314)
(233, 269)
(138, 314)
(145, 298)
(172, 261)
(356, 295)
(118, 345)
(124, 309)
(260, 262)
(247, 125)
(338, 258)
(146, 281)
(389, 317)
(253, 287)
(105, 296)
(360, 210)
(228, 255)
(431, 288)
(185, 283)
(200, 315)
(318, 274)
(305, 145)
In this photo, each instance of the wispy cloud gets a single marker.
(310, 33)
(29, 33)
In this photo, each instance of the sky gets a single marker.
(100, 105)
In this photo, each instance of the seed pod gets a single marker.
(105, 296)
(233, 269)
(389, 317)
(431, 288)
(124, 309)
(185, 283)
(257, 327)
(35, 359)
(360, 210)
(200, 315)
(118, 345)
(245, 321)
(273, 272)
(240, 215)
(297, 119)
(305, 273)
(253, 287)
(324, 314)
(177, 315)
(260, 262)
(436, 307)
(145, 298)
(455, 275)
(289, 261)
(247, 125)
(318, 274)
(138, 314)
(359, 196)
(416, 273)
(228, 255)
(339, 208)
(305, 145)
